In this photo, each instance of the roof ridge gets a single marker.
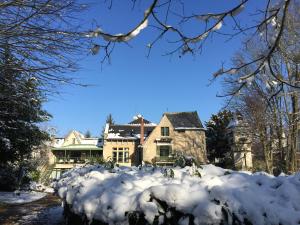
(180, 112)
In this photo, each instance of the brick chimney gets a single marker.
(142, 131)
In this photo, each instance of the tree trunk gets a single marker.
(295, 112)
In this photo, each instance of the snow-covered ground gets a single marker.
(20, 197)
(49, 216)
(208, 195)
(34, 186)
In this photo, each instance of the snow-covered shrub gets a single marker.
(145, 196)
(17, 175)
(34, 175)
(182, 161)
(168, 172)
(97, 160)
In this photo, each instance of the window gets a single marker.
(126, 156)
(73, 141)
(115, 156)
(164, 151)
(165, 131)
(121, 155)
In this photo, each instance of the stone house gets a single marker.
(141, 140)
(176, 133)
(122, 141)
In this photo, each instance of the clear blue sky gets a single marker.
(134, 84)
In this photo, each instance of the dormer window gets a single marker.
(165, 131)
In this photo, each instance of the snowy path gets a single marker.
(46, 211)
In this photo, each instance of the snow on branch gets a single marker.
(267, 26)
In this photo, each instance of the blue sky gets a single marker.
(133, 83)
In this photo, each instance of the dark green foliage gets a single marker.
(183, 161)
(227, 173)
(171, 216)
(8, 177)
(109, 164)
(87, 134)
(34, 175)
(20, 114)
(14, 176)
(197, 173)
(217, 142)
(109, 119)
(136, 217)
(97, 160)
(168, 172)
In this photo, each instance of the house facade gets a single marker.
(122, 142)
(73, 150)
(141, 140)
(176, 133)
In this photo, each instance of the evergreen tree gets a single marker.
(109, 119)
(217, 142)
(20, 113)
(87, 134)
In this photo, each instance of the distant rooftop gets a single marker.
(139, 121)
(128, 131)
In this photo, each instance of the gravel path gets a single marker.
(46, 211)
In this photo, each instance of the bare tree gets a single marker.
(44, 35)
(271, 106)
(170, 20)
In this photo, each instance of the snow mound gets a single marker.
(20, 197)
(216, 196)
(34, 186)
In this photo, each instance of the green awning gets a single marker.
(78, 148)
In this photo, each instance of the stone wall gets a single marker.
(192, 143)
(150, 146)
(188, 142)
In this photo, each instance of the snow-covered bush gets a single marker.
(146, 196)
(17, 175)
(182, 160)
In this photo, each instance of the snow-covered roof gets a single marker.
(90, 141)
(128, 131)
(81, 139)
(58, 142)
(118, 136)
(138, 120)
(79, 147)
(188, 128)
